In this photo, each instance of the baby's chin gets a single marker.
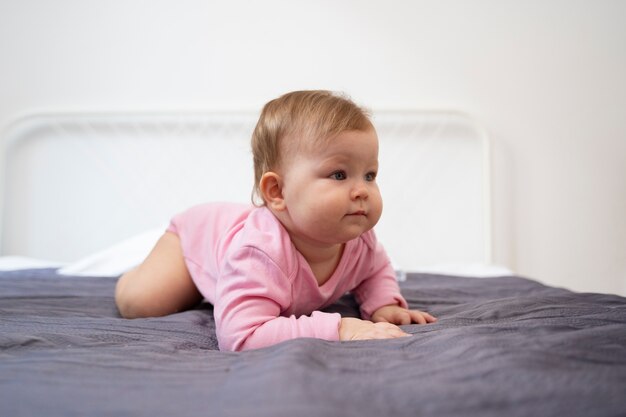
(351, 236)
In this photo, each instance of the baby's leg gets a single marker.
(161, 285)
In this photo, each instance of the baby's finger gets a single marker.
(417, 317)
(386, 335)
(392, 330)
(420, 317)
(403, 334)
(386, 326)
(393, 334)
(429, 318)
(401, 317)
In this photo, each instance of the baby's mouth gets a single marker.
(358, 213)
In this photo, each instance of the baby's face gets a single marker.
(330, 191)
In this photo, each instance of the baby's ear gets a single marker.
(271, 187)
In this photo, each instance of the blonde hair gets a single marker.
(300, 117)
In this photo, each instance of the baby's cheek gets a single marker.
(376, 208)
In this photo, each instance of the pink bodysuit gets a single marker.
(263, 291)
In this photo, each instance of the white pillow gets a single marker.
(13, 263)
(475, 270)
(116, 259)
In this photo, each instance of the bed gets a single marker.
(85, 195)
(503, 346)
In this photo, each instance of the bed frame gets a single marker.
(77, 183)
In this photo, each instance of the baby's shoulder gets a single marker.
(264, 236)
(369, 239)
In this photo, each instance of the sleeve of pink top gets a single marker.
(380, 288)
(252, 291)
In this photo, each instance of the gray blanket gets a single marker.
(502, 347)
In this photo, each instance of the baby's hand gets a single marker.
(357, 329)
(398, 315)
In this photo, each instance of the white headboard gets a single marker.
(77, 183)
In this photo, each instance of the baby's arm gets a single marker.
(252, 295)
(380, 298)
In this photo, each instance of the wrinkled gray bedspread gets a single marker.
(502, 347)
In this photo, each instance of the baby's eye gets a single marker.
(370, 176)
(339, 175)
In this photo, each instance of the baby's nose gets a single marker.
(359, 191)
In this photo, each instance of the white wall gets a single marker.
(546, 78)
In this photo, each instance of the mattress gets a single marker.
(503, 346)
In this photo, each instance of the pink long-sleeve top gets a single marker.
(263, 291)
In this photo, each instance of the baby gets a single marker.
(269, 268)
